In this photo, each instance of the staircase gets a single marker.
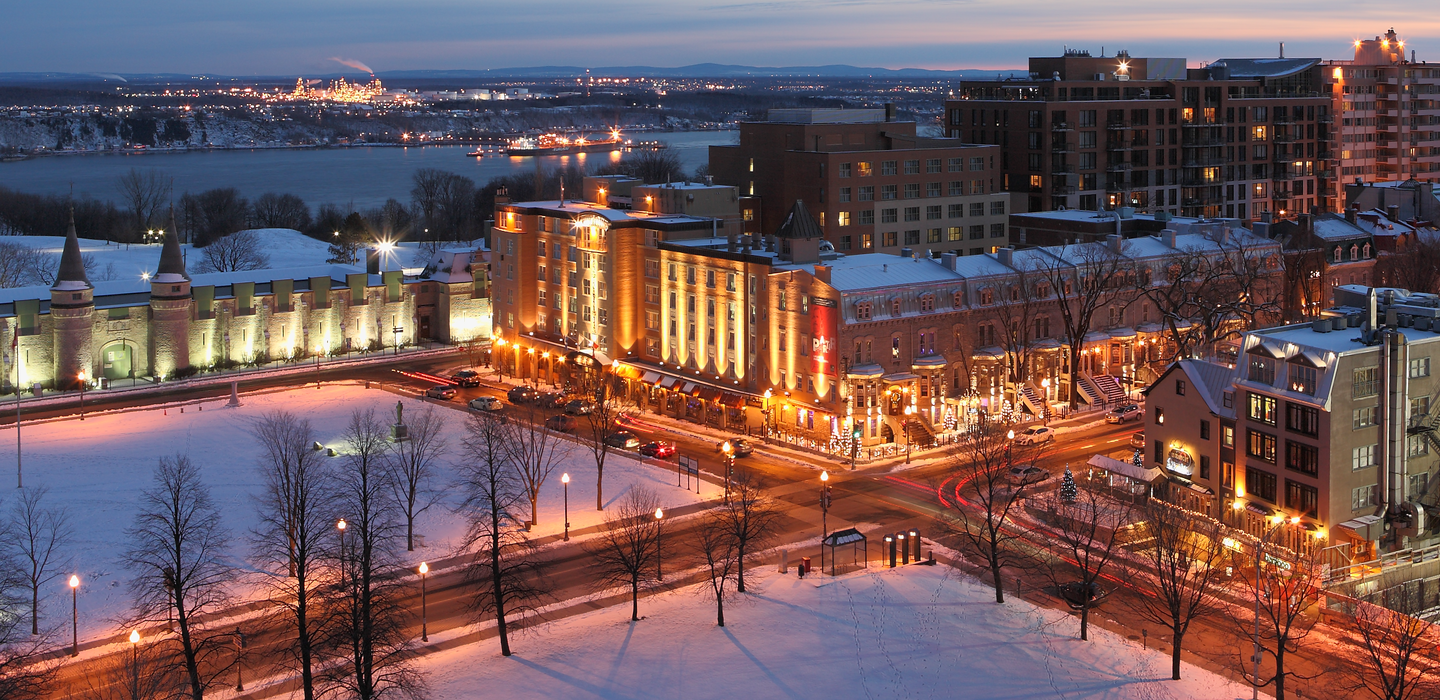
(919, 432)
(1031, 399)
(1088, 390)
(1110, 387)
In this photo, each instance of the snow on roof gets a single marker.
(1212, 380)
(1241, 68)
(853, 273)
(575, 207)
(1330, 227)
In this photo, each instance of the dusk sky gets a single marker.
(291, 37)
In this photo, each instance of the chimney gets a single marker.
(1393, 213)
(1282, 49)
(1168, 238)
(1350, 213)
(948, 260)
(1005, 255)
(889, 111)
(1114, 243)
(502, 195)
(822, 273)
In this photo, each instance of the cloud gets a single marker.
(353, 64)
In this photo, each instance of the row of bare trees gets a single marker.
(1184, 567)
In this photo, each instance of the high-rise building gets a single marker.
(1389, 113)
(1235, 139)
(870, 182)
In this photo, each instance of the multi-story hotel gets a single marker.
(1388, 109)
(1235, 139)
(871, 184)
(1330, 421)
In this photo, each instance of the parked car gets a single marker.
(658, 450)
(550, 399)
(521, 394)
(1035, 435)
(466, 378)
(623, 439)
(740, 447)
(579, 407)
(1137, 439)
(1022, 474)
(441, 391)
(561, 423)
(486, 403)
(1121, 414)
(1074, 594)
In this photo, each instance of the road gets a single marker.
(885, 495)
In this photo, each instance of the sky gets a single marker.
(295, 37)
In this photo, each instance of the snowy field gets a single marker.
(98, 467)
(912, 632)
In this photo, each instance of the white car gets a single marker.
(486, 403)
(1035, 435)
(1121, 414)
(1023, 474)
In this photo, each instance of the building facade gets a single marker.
(1388, 109)
(869, 181)
(175, 324)
(1235, 139)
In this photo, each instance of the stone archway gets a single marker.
(117, 361)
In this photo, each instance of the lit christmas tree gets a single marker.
(1068, 491)
(951, 422)
(1139, 460)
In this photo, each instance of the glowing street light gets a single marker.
(134, 663)
(565, 480)
(824, 515)
(659, 515)
(74, 615)
(81, 378)
(424, 630)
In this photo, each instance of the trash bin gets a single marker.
(805, 564)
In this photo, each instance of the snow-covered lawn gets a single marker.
(913, 632)
(98, 467)
(117, 261)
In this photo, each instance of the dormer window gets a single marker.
(1354, 252)
(894, 307)
(1339, 254)
(1367, 251)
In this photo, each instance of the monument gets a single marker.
(399, 432)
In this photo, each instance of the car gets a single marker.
(561, 423)
(521, 394)
(658, 450)
(623, 439)
(739, 447)
(1137, 439)
(1121, 414)
(550, 399)
(1022, 474)
(441, 391)
(1074, 594)
(1035, 435)
(466, 378)
(486, 403)
(579, 407)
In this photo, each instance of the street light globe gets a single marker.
(1010, 435)
(134, 636)
(824, 476)
(565, 478)
(340, 525)
(659, 513)
(1295, 520)
(74, 581)
(424, 568)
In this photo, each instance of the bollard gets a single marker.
(784, 561)
(890, 545)
(904, 549)
(915, 542)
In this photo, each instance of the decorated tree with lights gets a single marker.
(1138, 459)
(1068, 490)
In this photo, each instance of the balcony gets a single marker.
(1062, 126)
(1203, 142)
(1282, 175)
(1118, 187)
(1117, 147)
(1062, 189)
(1064, 170)
(1201, 122)
(1062, 148)
(1117, 168)
(1118, 126)
(1207, 162)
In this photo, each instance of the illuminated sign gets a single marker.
(1180, 462)
(824, 315)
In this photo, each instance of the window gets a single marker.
(997, 230)
(1228, 399)
(1362, 497)
(1204, 466)
(867, 217)
(1179, 387)
(977, 209)
(1420, 367)
(956, 233)
(863, 309)
(652, 269)
(867, 193)
(652, 294)
(1260, 483)
(955, 165)
(844, 194)
(652, 321)
(863, 169)
(689, 275)
(927, 302)
(1227, 435)
(1364, 417)
(912, 190)
(867, 241)
(932, 212)
(887, 192)
(932, 235)
(1262, 369)
(1362, 457)
(1159, 451)
(1416, 485)
(1262, 408)
(844, 170)
(1366, 382)
(1419, 408)
(912, 213)
(1159, 416)
(1416, 446)
(1260, 445)
(932, 189)
(887, 167)
(1301, 498)
(1302, 458)
(957, 188)
(889, 239)
(977, 232)
(997, 208)
(977, 163)
(1302, 419)
(912, 167)
(710, 279)
(932, 165)
(889, 216)
(1302, 379)
(842, 218)
(955, 211)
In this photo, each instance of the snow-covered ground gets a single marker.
(117, 261)
(98, 467)
(912, 632)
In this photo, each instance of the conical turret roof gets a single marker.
(799, 224)
(172, 261)
(71, 275)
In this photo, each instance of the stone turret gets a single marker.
(170, 302)
(72, 310)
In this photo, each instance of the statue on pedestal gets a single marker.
(399, 432)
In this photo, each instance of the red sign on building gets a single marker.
(824, 315)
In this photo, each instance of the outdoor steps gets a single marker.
(919, 432)
(1031, 399)
(1088, 390)
(1110, 387)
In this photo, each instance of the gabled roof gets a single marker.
(799, 224)
(71, 275)
(1210, 380)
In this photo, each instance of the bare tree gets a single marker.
(535, 450)
(1416, 267)
(427, 193)
(346, 242)
(36, 533)
(177, 552)
(505, 576)
(288, 546)
(413, 463)
(715, 543)
(1086, 277)
(1398, 649)
(628, 550)
(752, 518)
(22, 265)
(25, 674)
(233, 253)
(369, 631)
(985, 497)
(145, 191)
(141, 674)
(1177, 570)
(1287, 593)
(1086, 533)
(1021, 315)
(596, 386)
(272, 210)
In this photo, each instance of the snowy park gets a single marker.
(912, 632)
(97, 469)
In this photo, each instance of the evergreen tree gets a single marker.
(1068, 491)
(345, 244)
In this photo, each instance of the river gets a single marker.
(358, 176)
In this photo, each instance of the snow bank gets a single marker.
(916, 632)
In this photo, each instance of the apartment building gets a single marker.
(1388, 109)
(869, 181)
(1330, 422)
(1235, 139)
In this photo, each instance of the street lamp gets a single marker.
(340, 525)
(729, 450)
(565, 481)
(1009, 443)
(81, 377)
(659, 515)
(1278, 521)
(1045, 385)
(824, 514)
(424, 629)
(909, 411)
(135, 664)
(74, 615)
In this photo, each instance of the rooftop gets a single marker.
(860, 272)
(827, 116)
(1242, 68)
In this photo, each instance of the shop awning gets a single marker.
(732, 400)
(1200, 489)
(1258, 509)
(650, 377)
(669, 382)
(708, 393)
(687, 387)
(1123, 468)
(1365, 527)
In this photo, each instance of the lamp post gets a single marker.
(74, 615)
(659, 515)
(824, 515)
(565, 481)
(1045, 386)
(135, 664)
(854, 443)
(340, 526)
(729, 450)
(1259, 549)
(424, 628)
(81, 378)
(1009, 443)
(239, 656)
(909, 411)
